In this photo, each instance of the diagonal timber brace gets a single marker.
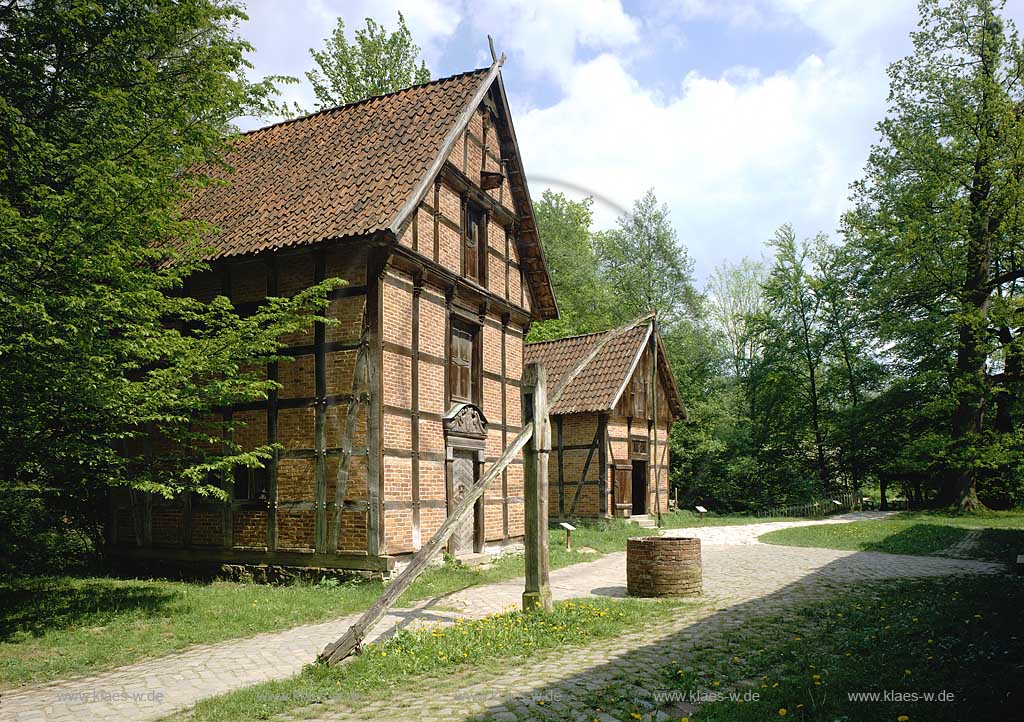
(360, 399)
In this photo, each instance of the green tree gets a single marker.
(938, 226)
(645, 266)
(735, 296)
(792, 336)
(378, 62)
(112, 375)
(584, 300)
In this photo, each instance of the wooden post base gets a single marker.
(537, 600)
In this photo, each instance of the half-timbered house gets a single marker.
(609, 445)
(418, 200)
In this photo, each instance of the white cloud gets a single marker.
(544, 36)
(283, 33)
(734, 156)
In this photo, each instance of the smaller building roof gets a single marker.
(600, 384)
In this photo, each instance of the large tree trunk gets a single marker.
(819, 441)
(969, 381)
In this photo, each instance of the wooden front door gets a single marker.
(623, 491)
(463, 478)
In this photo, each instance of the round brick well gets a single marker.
(663, 567)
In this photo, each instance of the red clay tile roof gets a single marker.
(346, 171)
(598, 385)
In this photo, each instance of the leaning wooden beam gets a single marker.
(352, 639)
(360, 398)
(337, 651)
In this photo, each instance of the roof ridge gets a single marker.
(354, 103)
(569, 338)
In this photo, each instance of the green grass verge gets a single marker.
(917, 533)
(681, 519)
(412, 657)
(53, 627)
(964, 637)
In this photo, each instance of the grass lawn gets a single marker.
(52, 627)
(436, 653)
(682, 519)
(964, 637)
(919, 533)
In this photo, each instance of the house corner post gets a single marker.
(537, 594)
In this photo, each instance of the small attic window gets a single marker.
(474, 248)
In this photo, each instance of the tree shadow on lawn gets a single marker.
(920, 539)
(36, 605)
(641, 678)
(995, 545)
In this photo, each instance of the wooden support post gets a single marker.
(654, 404)
(535, 479)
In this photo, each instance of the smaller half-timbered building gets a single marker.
(609, 438)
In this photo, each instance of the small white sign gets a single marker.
(837, 503)
(702, 510)
(567, 526)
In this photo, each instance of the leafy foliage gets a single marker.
(378, 62)
(584, 300)
(112, 375)
(937, 229)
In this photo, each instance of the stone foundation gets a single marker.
(663, 567)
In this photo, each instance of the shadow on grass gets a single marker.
(919, 539)
(980, 660)
(36, 605)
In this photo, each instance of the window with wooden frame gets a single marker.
(462, 364)
(474, 246)
(250, 484)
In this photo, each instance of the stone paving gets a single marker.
(740, 581)
(736, 571)
(963, 548)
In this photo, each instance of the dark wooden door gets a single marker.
(639, 487)
(623, 486)
(463, 478)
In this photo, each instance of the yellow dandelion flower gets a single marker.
(782, 711)
(902, 718)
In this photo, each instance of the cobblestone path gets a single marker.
(741, 581)
(963, 548)
(736, 570)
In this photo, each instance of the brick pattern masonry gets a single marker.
(663, 567)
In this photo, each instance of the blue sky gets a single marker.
(741, 114)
